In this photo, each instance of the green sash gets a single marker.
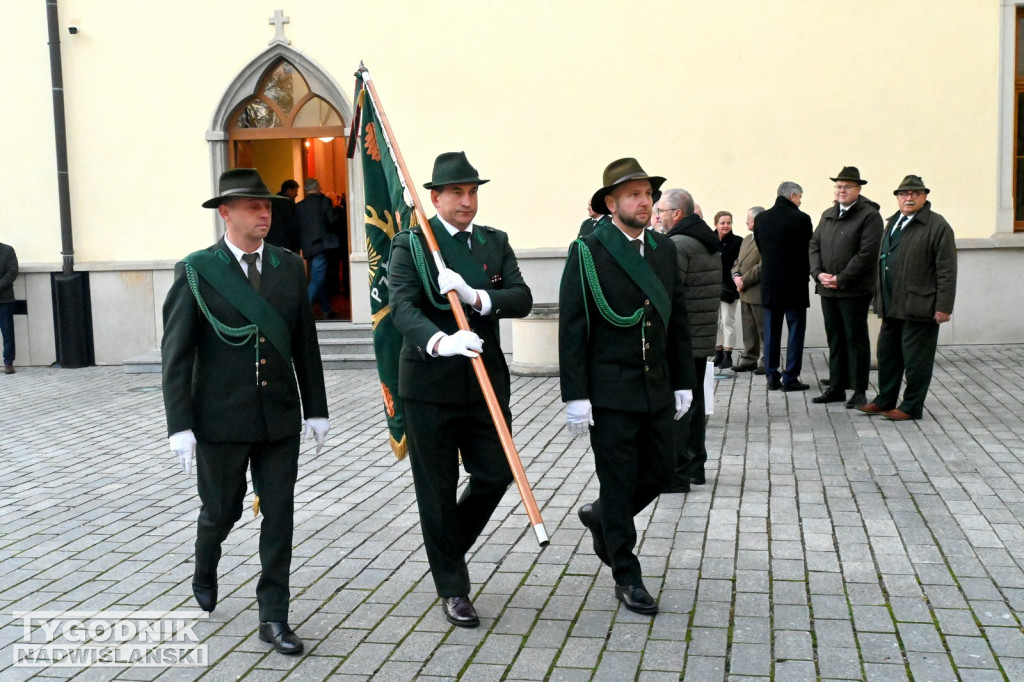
(636, 267)
(459, 257)
(215, 268)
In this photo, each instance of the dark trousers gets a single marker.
(752, 315)
(634, 459)
(906, 348)
(796, 323)
(849, 345)
(220, 469)
(437, 435)
(7, 331)
(688, 432)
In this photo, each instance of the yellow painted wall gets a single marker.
(724, 98)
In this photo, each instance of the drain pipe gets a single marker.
(72, 303)
(61, 135)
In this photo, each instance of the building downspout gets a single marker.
(72, 303)
(61, 138)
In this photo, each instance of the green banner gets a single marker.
(386, 214)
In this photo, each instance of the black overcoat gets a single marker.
(783, 235)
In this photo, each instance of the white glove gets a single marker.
(579, 417)
(317, 427)
(448, 280)
(684, 398)
(462, 342)
(183, 444)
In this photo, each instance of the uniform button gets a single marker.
(263, 383)
(263, 361)
(647, 345)
(647, 301)
(263, 339)
(646, 369)
(648, 323)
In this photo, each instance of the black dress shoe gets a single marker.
(282, 637)
(759, 371)
(637, 599)
(794, 385)
(205, 590)
(832, 395)
(698, 479)
(774, 384)
(590, 521)
(459, 611)
(678, 487)
(857, 400)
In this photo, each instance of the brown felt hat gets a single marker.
(241, 182)
(618, 172)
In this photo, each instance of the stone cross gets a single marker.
(279, 20)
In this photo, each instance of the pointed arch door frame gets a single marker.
(320, 83)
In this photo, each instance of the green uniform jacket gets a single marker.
(452, 380)
(211, 387)
(608, 364)
(922, 268)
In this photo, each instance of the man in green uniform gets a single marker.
(626, 365)
(238, 332)
(445, 411)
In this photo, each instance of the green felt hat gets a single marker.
(453, 168)
(911, 182)
(849, 174)
(241, 182)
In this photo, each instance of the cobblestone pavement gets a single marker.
(826, 544)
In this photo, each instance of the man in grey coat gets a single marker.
(844, 262)
(700, 264)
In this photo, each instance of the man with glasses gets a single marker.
(844, 261)
(916, 285)
(700, 266)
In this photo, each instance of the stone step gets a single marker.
(346, 345)
(349, 361)
(341, 330)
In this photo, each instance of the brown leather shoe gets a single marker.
(459, 611)
(872, 408)
(898, 416)
(8, 369)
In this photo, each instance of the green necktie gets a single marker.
(254, 273)
(462, 236)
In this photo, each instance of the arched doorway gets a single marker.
(285, 116)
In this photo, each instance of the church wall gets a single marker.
(726, 99)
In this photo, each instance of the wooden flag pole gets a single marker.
(504, 435)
